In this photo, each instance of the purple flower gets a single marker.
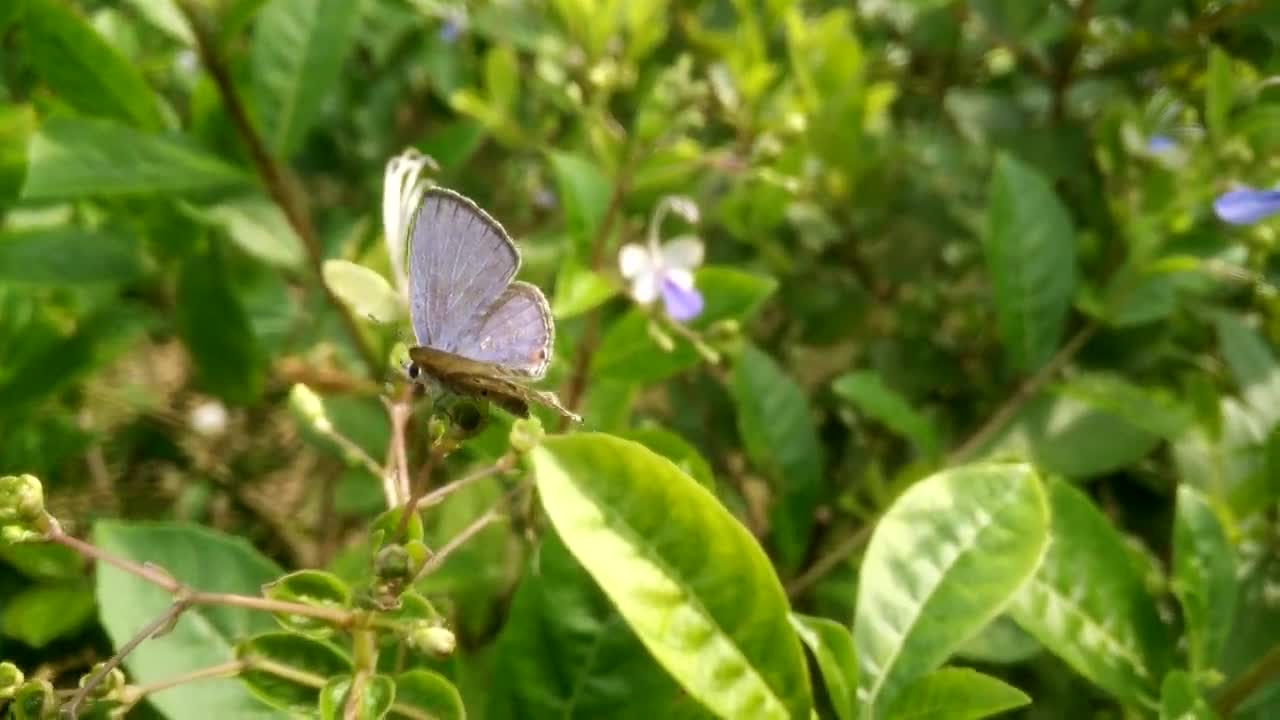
(452, 28)
(1241, 207)
(682, 303)
(1157, 144)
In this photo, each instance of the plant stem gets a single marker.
(437, 496)
(150, 573)
(165, 620)
(1256, 676)
(287, 672)
(231, 667)
(340, 618)
(274, 176)
(467, 533)
(1024, 394)
(829, 562)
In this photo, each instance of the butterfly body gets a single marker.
(479, 333)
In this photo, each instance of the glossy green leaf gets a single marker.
(1154, 412)
(287, 671)
(687, 577)
(17, 125)
(259, 227)
(308, 587)
(376, 696)
(299, 47)
(166, 16)
(832, 646)
(1180, 699)
(43, 613)
(1205, 577)
(70, 158)
(955, 694)
(778, 433)
(68, 256)
(942, 563)
(216, 331)
(565, 652)
(429, 693)
(1087, 603)
(579, 290)
(83, 69)
(1253, 366)
(871, 396)
(205, 635)
(367, 293)
(44, 561)
(584, 192)
(1001, 642)
(1068, 437)
(677, 450)
(1030, 250)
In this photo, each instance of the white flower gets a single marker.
(666, 269)
(402, 188)
(209, 418)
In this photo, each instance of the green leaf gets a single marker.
(579, 290)
(66, 255)
(165, 16)
(502, 77)
(1088, 605)
(299, 47)
(426, 692)
(43, 613)
(259, 227)
(868, 392)
(1205, 577)
(83, 69)
(628, 352)
(1254, 367)
(942, 563)
(565, 652)
(71, 158)
(779, 436)
(677, 450)
(1157, 413)
(1180, 699)
(287, 671)
(1030, 249)
(689, 579)
(955, 694)
(44, 561)
(1001, 642)
(1068, 437)
(308, 587)
(367, 293)
(832, 646)
(1219, 92)
(584, 193)
(216, 331)
(375, 698)
(204, 635)
(17, 124)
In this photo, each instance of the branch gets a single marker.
(165, 620)
(1256, 676)
(467, 533)
(1024, 393)
(828, 562)
(273, 175)
(231, 667)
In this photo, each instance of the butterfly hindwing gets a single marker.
(485, 381)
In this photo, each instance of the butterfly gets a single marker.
(479, 333)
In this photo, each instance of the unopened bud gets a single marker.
(11, 678)
(310, 407)
(21, 499)
(391, 563)
(428, 638)
(111, 683)
(526, 434)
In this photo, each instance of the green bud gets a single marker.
(110, 685)
(430, 638)
(392, 563)
(526, 434)
(35, 699)
(21, 499)
(11, 678)
(14, 534)
(310, 407)
(436, 429)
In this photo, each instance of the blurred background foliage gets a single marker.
(935, 230)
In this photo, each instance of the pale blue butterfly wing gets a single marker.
(478, 331)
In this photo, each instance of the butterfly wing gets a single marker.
(460, 262)
(485, 380)
(516, 332)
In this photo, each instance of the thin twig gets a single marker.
(396, 480)
(1024, 393)
(437, 496)
(274, 176)
(1256, 676)
(829, 562)
(169, 616)
(150, 573)
(480, 523)
(337, 616)
(231, 667)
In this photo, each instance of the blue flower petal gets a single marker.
(1157, 144)
(1241, 207)
(682, 303)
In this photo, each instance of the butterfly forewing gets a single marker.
(460, 262)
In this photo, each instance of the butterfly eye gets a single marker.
(412, 371)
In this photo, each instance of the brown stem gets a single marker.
(339, 617)
(1245, 684)
(1025, 392)
(1064, 72)
(151, 574)
(461, 538)
(437, 496)
(231, 667)
(828, 562)
(72, 708)
(274, 176)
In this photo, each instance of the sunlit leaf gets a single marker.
(1254, 367)
(367, 293)
(1204, 571)
(942, 563)
(868, 392)
(1180, 699)
(277, 663)
(832, 646)
(689, 579)
(43, 613)
(431, 693)
(955, 694)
